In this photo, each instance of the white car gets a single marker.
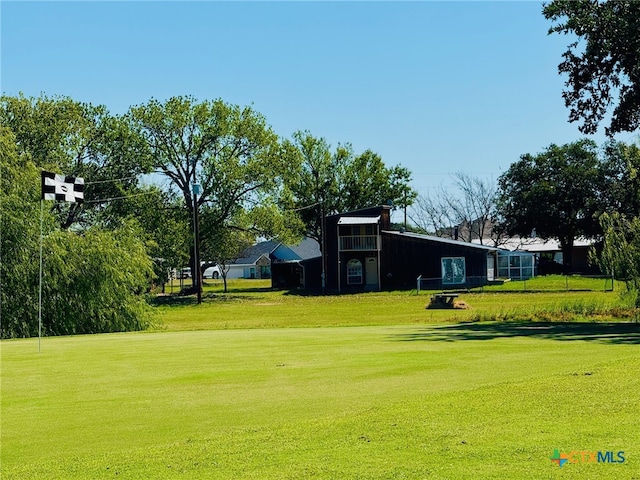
(184, 273)
(212, 272)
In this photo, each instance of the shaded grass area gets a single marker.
(319, 402)
(621, 333)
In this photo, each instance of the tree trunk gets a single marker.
(566, 244)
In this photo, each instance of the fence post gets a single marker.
(418, 281)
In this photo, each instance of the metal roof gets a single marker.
(441, 240)
(359, 220)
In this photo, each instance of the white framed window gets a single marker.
(516, 265)
(354, 272)
(454, 271)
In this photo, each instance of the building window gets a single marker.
(265, 271)
(516, 265)
(354, 272)
(453, 270)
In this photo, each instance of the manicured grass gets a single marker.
(444, 401)
(251, 304)
(556, 283)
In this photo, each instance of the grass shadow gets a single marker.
(177, 300)
(615, 333)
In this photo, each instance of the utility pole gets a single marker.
(324, 254)
(196, 274)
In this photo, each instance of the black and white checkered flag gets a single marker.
(62, 188)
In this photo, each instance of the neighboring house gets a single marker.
(291, 265)
(477, 231)
(254, 262)
(282, 263)
(548, 254)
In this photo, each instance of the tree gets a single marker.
(230, 151)
(555, 193)
(19, 239)
(621, 173)
(329, 183)
(314, 190)
(225, 245)
(94, 279)
(62, 135)
(620, 255)
(468, 209)
(608, 66)
(163, 226)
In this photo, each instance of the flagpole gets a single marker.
(40, 283)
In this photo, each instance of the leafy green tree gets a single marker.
(19, 239)
(62, 135)
(555, 193)
(93, 279)
(329, 183)
(315, 189)
(94, 282)
(620, 255)
(366, 181)
(604, 63)
(621, 173)
(163, 226)
(230, 151)
(223, 245)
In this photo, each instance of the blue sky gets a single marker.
(438, 87)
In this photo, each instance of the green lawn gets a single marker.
(373, 386)
(251, 304)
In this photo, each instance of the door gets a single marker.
(371, 273)
(490, 268)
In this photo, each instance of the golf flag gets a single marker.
(62, 188)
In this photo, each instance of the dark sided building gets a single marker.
(363, 254)
(296, 266)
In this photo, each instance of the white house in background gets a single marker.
(254, 262)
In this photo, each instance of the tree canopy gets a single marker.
(331, 182)
(554, 193)
(62, 135)
(603, 65)
(229, 150)
(620, 254)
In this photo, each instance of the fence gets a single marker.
(550, 283)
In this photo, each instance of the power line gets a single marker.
(107, 181)
(103, 200)
(304, 208)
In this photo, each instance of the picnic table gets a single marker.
(443, 300)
